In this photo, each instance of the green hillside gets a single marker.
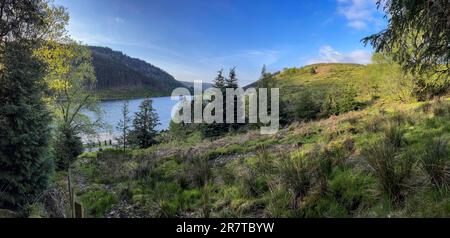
(384, 158)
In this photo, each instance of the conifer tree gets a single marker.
(25, 163)
(124, 127)
(24, 126)
(232, 81)
(144, 124)
(219, 81)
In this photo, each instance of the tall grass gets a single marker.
(300, 172)
(391, 168)
(436, 162)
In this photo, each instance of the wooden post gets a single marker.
(69, 185)
(79, 211)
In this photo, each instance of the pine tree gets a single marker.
(25, 164)
(144, 124)
(124, 127)
(217, 129)
(232, 81)
(24, 126)
(266, 81)
(219, 81)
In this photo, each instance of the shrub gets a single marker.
(436, 162)
(68, 147)
(347, 100)
(307, 107)
(340, 102)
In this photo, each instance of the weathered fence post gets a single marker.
(79, 211)
(76, 208)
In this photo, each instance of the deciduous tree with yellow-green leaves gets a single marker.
(71, 81)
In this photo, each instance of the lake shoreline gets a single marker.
(101, 99)
(112, 114)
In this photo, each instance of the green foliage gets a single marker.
(418, 43)
(67, 146)
(296, 174)
(144, 124)
(218, 129)
(394, 135)
(413, 35)
(307, 107)
(302, 172)
(256, 174)
(391, 168)
(352, 189)
(124, 127)
(231, 81)
(340, 102)
(29, 14)
(165, 200)
(25, 164)
(436, 162)
(98, 202)
(219, 81)
(200, 171)
(430, 203)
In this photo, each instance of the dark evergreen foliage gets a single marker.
(307, 107)
(116, 71)
(145, 121)
(68, 147)
(24, 125)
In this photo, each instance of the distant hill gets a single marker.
(190, 85)
(120, 76)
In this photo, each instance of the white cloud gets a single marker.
(359, 13)
(328, 55)
(358, 25)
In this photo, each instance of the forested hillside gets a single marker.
(119, 75)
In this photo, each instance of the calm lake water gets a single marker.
(112, 113)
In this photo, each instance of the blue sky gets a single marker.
(193, 39)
